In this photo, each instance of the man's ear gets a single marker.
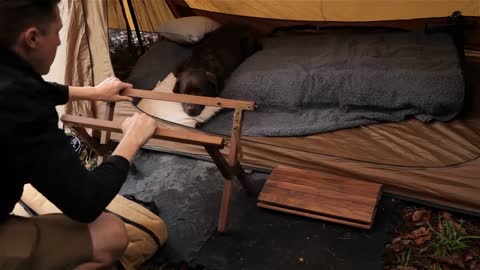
(212, 80)
(30, 37)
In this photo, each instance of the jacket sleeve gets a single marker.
(59, 93)
(57, 173)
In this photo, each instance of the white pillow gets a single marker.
(188, 30)
(173, 111)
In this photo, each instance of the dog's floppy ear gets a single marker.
(176, 87)
(212, 80)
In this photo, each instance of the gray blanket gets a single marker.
(318, 83)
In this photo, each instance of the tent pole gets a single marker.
(135, 23)
(129, 30)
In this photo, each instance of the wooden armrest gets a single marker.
(208, 101)
(184, 136)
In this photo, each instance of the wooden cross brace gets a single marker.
(212, 144)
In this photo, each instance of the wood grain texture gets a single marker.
(208, 101)
(320, 195)
(321, 204)
(310, 215)
(185, 136)
(322, 192)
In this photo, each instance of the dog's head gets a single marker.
(197, 83)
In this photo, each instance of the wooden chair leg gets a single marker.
(244, 179)
(225, 207)
(105, 137)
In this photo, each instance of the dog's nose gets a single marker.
(192, 112)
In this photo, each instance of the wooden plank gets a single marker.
(323, 192)
(327, 177)
(208, 101)
(310, 215)
(343, 187)
(317, 200)
(321, 205)
(184, 136)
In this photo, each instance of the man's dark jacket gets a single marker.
(34, 150)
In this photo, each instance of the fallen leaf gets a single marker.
(421, 216)
(399, 245)
(420, 235)
(446, 215)
(421, 240)
(407, 214)
(406, 268)
(396, 239)
(452, 260)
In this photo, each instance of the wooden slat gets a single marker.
(109, 112)
(232, 161)
(184, 136)
(327, 177)
(321, 205)
(317, 200)
(208, 101)
(310, 215)
(105, 136)
(344, 187)
(323, 192)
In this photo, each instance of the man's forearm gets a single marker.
(82, 93)
(127, 148)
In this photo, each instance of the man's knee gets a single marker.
(109, 238)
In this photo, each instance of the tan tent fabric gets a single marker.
(79, 69)
(340, 10)
(83, 58)
(150, 14)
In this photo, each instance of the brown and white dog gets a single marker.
(211, 62)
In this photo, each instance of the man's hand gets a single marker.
(108, 90)
(136, 130)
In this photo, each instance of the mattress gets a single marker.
(306, 83)
(436, 163)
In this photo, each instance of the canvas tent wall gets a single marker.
(445, 162)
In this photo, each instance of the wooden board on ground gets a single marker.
(322, 196)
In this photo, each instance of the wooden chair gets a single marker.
(229, 168)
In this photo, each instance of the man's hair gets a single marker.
(18, 15)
